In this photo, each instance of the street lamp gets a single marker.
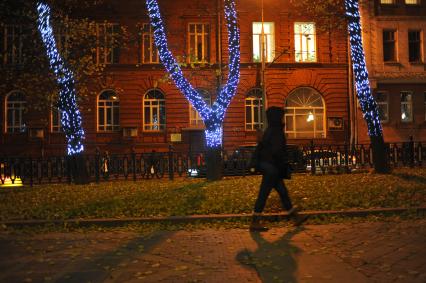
(262, 77)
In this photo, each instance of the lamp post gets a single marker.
(262, 77)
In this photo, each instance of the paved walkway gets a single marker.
(364, 252)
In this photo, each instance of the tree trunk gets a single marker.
(79, 169)
(214, 164)
(380, 154)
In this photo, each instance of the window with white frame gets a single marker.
(12, 44)
(62, 40)
(305, 114)
(154, 111)
(389, 46)
(387, 2)
(15, 110)
(107, 51)
(412, 2)
(56, 120)
(414, 46)
(199, 42)
(305, 42)
(149, 50)
(195, 119)
(382, 99)
(406, 106)
(268, 41)
(254, 109)
(108, 111)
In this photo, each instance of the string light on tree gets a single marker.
(212, 117)
(365, 98)
(70, 115)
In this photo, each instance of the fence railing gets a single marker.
(136, 166)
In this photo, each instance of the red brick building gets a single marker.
(306, 72)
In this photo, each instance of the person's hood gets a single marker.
(275, 115)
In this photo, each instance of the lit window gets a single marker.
(154, 111)
(254, 109)
(305, 42)
(108, 111)
(414, 46)
(406, 106)
(382, 99)
(149, 50)
(199, 42)
(107, 51)
(387, 1)
(11, 44)
(15, 109)
(412, 2)
(305, 114)
(56, 120)
(195, 119)
(268, 41)
(389, 46)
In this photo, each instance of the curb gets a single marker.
(110, 222)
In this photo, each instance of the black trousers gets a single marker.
(271, 180)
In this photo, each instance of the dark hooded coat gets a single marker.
(273, 142)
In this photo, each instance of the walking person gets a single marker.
(272, 162)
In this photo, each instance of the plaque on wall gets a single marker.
(176, 137)
(335, 123)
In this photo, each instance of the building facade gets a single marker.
(394, 42)
(306, 71)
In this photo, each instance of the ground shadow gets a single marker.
(409, 177)
(274, 261)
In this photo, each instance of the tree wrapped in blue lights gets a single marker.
(71, 118)
(368, 104)
(212, 117)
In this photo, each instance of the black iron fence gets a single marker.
(136, 166)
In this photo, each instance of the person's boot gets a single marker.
(255, 225)
(296, 218)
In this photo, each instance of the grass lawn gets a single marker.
(402, 188)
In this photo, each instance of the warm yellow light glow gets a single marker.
(8, 183)
(310, 117)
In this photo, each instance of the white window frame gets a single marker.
(407, 104)
(18, 107)
(254, 104)
(195, 120)
(306, 102)
(304, 51)
(110, 106)
(395, 43)
(383, 104)
(156, 106)
(55, 127)
(12, 53)
(269, 41)
(147, 39)
(205, 39)
(105, 34)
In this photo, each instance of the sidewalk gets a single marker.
(349, 252)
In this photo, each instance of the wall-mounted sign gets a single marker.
(175, 137)
(335, 123)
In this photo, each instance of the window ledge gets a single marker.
(392, 63)
(417, 63)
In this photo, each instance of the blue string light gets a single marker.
(362, 83)
(212, 117)
(71, 118)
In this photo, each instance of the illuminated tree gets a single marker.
(368, 104)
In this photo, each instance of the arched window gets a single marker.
(108, 111)
(15, 108)
(305, 114)
(154, 111)
(254, 109)
(195, 118)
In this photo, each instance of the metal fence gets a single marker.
(136, 166)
